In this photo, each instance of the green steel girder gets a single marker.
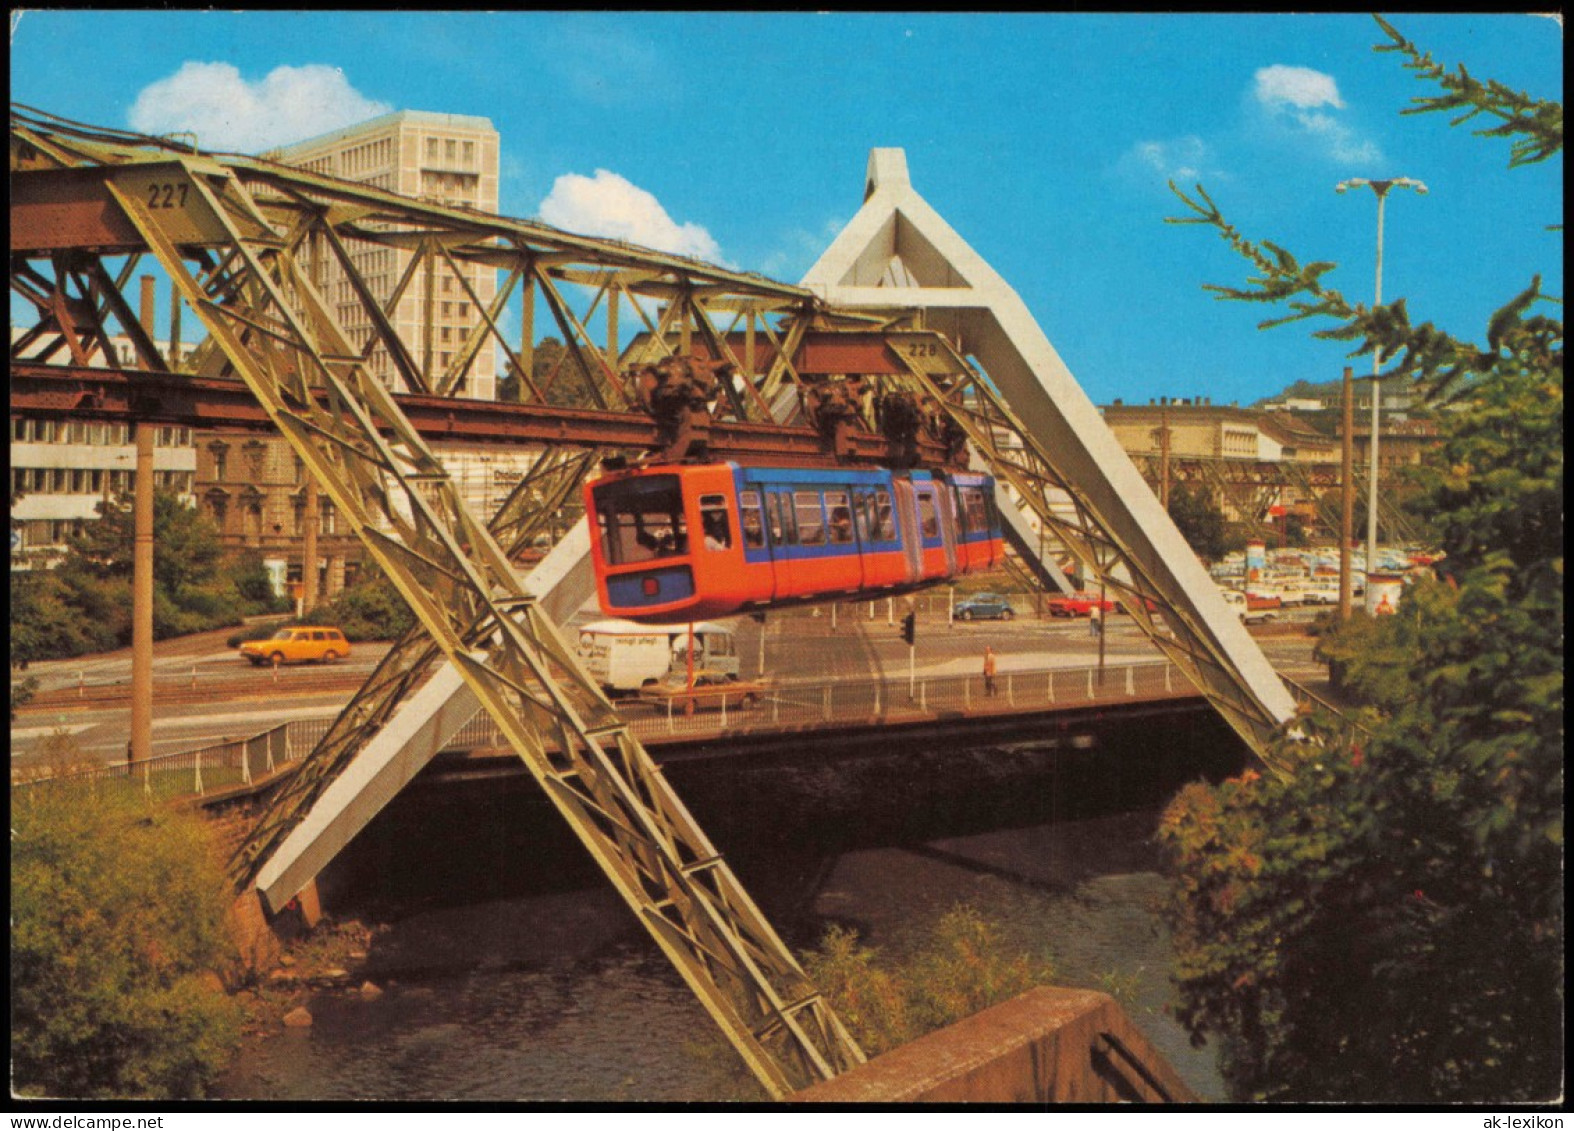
(586, 284)
(233, 261)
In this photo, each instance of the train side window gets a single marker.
(714, 523)
(928, 516)
(991, 515)
(784, 531)
(811, 519)
(884, 518)
(773, 518)
(841, 517)
(973, 508)
(863, 514)
(753, 519)
(775, 508)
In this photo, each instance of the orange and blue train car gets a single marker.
(682, 542)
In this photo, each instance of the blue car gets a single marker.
(984, 606)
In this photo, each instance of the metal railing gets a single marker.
(215, 767)
(62, 684)
(899, 699)
(787, 707)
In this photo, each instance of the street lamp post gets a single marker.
(1381, 189)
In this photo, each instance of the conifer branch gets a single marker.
(1534, 124)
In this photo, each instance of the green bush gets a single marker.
(84, 605)
(254, 586)
(962, 967)
(257, 632)
(371, 609)
(117, 931)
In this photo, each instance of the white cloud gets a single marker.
(229, 113)
(1340, 141)
(1306, 103)
(612, 206)
(1184, 159)
(1300, 87)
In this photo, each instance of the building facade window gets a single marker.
(252, 521)
(218, 503)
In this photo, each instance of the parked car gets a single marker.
(984, 606)
(298, 644)
(1078, 605)
(710, 690)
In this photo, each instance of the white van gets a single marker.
(1237, 602)
(624, 656)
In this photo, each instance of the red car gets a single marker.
(1078, 605)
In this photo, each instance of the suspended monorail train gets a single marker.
(681, 542)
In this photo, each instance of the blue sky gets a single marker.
(1045, 140)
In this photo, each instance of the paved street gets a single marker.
(234, 699)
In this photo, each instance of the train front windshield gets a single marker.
(641, 519)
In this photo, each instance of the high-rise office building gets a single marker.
(448, 158)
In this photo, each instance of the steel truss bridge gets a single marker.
(898, 305)
(1251, 487)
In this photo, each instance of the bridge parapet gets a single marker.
(240, 763)
(1050, 1045)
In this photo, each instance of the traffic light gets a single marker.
(910, 627)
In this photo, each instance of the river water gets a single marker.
(512, 972)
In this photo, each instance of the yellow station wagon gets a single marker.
(298, 645)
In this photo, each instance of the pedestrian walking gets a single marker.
(1096, 621)
(989, 670)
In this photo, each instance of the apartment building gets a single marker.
(1199, 429)
(450, 159)
(252, 485)
(1224, 449)
(61, 470)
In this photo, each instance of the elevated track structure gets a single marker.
(1252, 487)
(899, 305)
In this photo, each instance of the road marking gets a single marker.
(44, 732)
(272, 716)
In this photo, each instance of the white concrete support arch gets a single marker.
(423, 724)
(898, 254)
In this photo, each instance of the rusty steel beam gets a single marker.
(224, 403)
